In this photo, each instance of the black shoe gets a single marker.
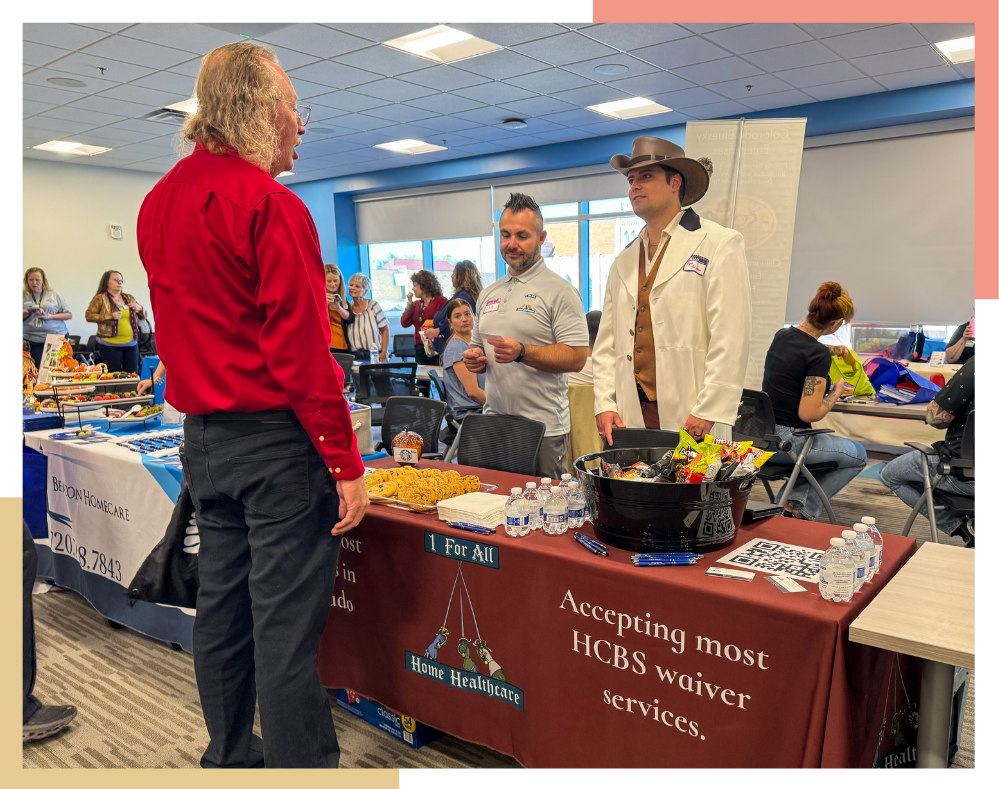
(47, 721)
(966, 531)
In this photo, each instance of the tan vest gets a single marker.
(645, 346)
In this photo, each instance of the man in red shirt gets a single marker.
(237, 284)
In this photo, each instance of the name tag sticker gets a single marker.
(492, 305)
(697, 264)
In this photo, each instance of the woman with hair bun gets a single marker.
(796, 377)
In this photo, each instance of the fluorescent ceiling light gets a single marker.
(443, 44)
(285, 173)
(189, 106)
(958, 50)
(59, 146)
(629, 108)
(410, 146)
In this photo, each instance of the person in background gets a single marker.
(43, 312)
(961, 346)
(368, 332)
(585, 376)
(336, 304)
(538, 335)
(116, 314)
(467, 286)
(465, 389)
(422, 305)
(147, 384)
(948, 410)
(796, 377)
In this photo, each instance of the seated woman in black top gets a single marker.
(961, 345)
(796, 377)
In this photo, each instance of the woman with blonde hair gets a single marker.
(116, 314)
(336, 305)
(796, 377)
(43, 312)
(467, 286)
(368, 333)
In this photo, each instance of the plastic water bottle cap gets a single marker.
(515, 491)
(837, 542)
(849, 534)
(546, 480)
(860, 527)
(532, 485)
(868, 520)
(567, 476)
(573, 484)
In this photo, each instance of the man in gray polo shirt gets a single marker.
(535, 335)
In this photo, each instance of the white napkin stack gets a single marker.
(477, 509)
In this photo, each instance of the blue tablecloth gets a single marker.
(149, 365)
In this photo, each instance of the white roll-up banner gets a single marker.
(754, 189)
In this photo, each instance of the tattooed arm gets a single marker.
(937, 417)
(815, 403)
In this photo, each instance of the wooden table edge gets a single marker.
(905, 646)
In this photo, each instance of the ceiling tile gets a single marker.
(346, 101)
(117, 132)
(563, 135)
(720, 110)
(810, 53)
(169, 82)
(935, 32)
(706, 27)
(307, 91)
(44, 123)
(145, 96)
(88, 66)
(549, 81)
(191, 68)
(564, 48)
(289, 58)
(400, 113)
(358, 122)
(842, 90)
(393, 90)
(445, 103)
(572, 118)
(718, 71)
(147, 167)
(691, 97)
(335, 75)
(508, 35)
(787, 98)
(629, 36)
(839, 71)
(367, 139)
(489, 116)
(658, 82)
(541, 105)
(447, 123)
(107, 27)
(325, 147)
(152, 127)
(762, 35)
(40, 76)
(148, 149)
(87, 117)
(381, 31)
(762, 84)
(588, 68)
(925, 56)
(111, 107)
(872, 42)
(495, 93)
(323, 42)
(488, 134)
(383, 60)
(684, 52)
(500, 65)
(659, 121)
(481, 148)
(34, 107)
(61, 35)
(40, 54)
(923, 76)
(444, 78)
(967, 70)
(141, 53)
(48, 94)
(827, 29)
(608, 126)
(190, 37)
(592, 94)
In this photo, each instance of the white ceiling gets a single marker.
(363, 93)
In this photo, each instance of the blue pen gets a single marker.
(663, 562)
(582, 540)
(471, 528)
(667, 556)
(591, 541)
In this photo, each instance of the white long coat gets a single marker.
(701, 323)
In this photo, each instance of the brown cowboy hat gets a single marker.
(652, 150)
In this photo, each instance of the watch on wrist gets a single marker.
(522, 354)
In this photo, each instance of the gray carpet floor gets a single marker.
(138, 701)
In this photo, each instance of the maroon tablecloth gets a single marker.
(694, 671)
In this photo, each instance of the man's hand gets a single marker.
(606, 422)
(697, 427)
(968, 334)
(353, 495)
(507, 350)
(475, 360)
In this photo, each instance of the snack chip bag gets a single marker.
(731, 450)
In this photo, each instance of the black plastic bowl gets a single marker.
(660, 516)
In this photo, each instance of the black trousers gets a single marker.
(30, 562)
(265, 506)
(120, 358)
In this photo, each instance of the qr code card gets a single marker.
(777, 558)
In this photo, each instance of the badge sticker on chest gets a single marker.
(527, 308)
(491, 306)
(697, 264)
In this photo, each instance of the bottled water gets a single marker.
(867, 544)
(544, 493)
(575, 505)
(566, 479)
(534, 504)
(555, 512)
(518, 514)
(859, 557)
(877, 539)
(837, 570)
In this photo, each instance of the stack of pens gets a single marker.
(664, 559)
(593, 546)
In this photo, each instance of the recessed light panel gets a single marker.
(67, 82)
(629, 108)
(443, 44)
(59, 146)
(410, 146)
(190, 106)
(285, 174)
(958, 50)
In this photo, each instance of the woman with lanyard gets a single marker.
(368, 332)
(43, 312)
(467, 286)
(336, 304)
(428, 300)
(116, 314)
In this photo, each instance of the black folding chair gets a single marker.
(635, 437)
(346, 362)
(421, 415)
(756, 423)
(376, 383)
(499, 442)
(93, 349)
(962, 506)
(404, 346)
(436, 382)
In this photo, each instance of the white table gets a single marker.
(881, 426)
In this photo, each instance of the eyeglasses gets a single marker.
(301, 110)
